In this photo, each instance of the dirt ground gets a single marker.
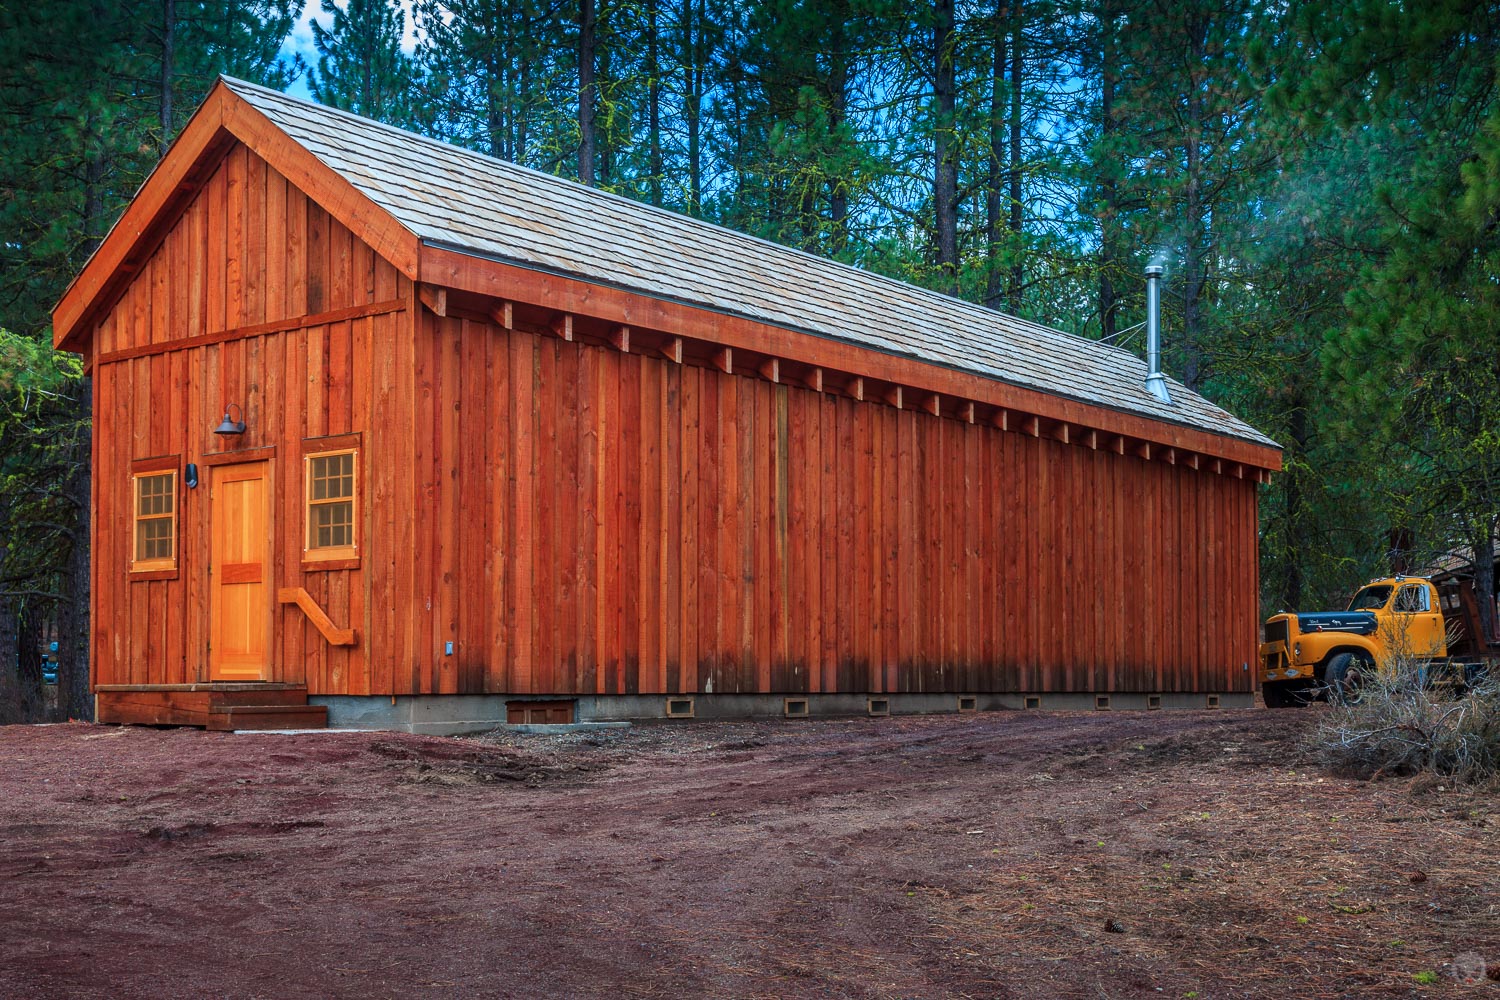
(1162, 854)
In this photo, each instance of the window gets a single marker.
(331, 506)
(1413, 599)
(1370, 599)
(155, 521)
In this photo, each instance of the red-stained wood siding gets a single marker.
(596, 522)
(249, 249)
(579, 520)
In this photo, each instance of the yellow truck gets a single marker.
(1305, 656)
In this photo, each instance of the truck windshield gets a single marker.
(1370, 599)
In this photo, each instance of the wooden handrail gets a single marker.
(316, 615)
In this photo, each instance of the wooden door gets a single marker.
(240, 573)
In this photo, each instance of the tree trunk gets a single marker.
(520, 114)
(1291, 584)
(993, 210)
(1109, 196)
(653, 98)
(29, 663)
(586, 96)
(692, 105)
(1484, 580)
(603, 135)
(1195, 255)
(838, 195)
(1017, 218)
(75, 615)
(496, 82)
(838, 103)
(12, 707)
(10, 687)
(73, 619)
(168, 71)
(945, 148)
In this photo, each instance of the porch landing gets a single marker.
(218, 706)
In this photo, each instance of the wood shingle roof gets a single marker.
(459, 200)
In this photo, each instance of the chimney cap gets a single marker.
(1154, 270)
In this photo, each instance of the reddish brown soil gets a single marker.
(999, 855)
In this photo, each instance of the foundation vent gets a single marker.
(1153, 701)
(1213, 701)
(533, 713)
(795, 708)
(679, 708)
(968, 703)
(1101, 703)
(1032, 701)
(878, 706)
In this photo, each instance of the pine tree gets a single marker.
(1418, 361)
(90, 94)
(361, 64)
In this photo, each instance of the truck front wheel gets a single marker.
(1344, 677)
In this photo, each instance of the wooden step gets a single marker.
(222, 701)
(220, 707)
(152, 708)
(269, 717)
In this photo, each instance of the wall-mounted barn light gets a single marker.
(228, 426)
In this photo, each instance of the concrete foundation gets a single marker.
(453, 714)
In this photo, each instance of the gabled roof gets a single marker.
(448, 197)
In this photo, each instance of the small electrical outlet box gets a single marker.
(447, 649)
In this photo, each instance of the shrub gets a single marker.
(1401, 725)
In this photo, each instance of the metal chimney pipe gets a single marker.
(1156, 383)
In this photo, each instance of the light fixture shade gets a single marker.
(229, 426)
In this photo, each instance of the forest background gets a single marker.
(1321, 179)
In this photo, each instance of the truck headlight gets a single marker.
(1296, 650)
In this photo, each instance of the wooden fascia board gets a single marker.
(166, 191)
(498, 279)
(222, 119)
(322, 184)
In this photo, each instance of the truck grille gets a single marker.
(1275, 630)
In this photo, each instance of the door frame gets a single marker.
(217, 471)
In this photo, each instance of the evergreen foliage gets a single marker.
(361, 66)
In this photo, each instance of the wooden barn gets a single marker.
(395, 432)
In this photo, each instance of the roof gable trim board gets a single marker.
(222, 119)
(159, 201)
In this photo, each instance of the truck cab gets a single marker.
(1306, 655)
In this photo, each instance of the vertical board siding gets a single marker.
(673, 529)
